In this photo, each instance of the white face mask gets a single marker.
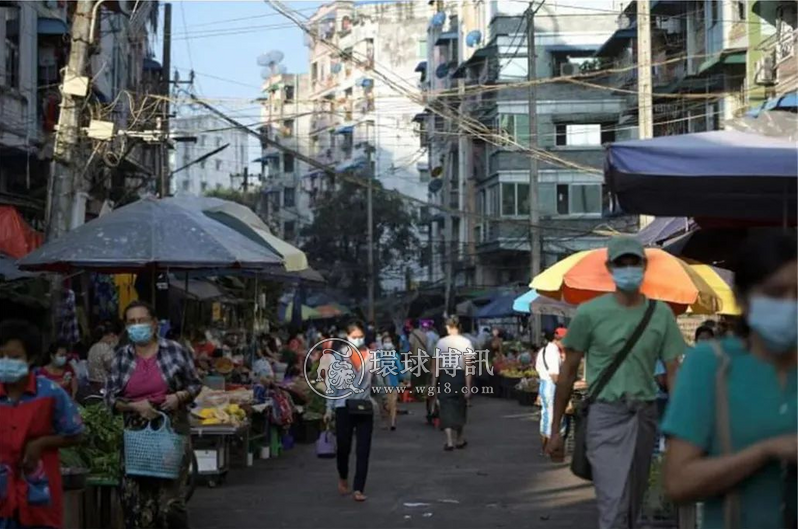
(357, 342)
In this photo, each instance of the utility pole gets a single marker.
(165, 183)
(448, 270)
(645, 105)
(64, 181)
(535, 245)
(370, 221)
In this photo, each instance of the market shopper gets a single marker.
(421, 354)
(353, 410)
(621, 425)
(101, 355)
(37, 418)
(454, 383)
(739, 453)
(149, 376)
(704, 333)
(547, 366)
(58, 369)
(389, 366)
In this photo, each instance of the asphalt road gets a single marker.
(499, 480)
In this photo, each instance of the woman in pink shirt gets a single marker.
(150, 376)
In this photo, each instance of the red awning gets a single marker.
(17, 238)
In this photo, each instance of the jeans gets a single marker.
(360, 427)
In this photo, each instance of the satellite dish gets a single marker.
(437, 171)
(474, 38)
(271, 58)
(435, 185)
(442, 70)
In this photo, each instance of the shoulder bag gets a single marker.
(731, 501)
(580, 466)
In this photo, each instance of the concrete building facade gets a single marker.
(223, 170)
(479, 59)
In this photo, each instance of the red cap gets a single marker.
(560, 332)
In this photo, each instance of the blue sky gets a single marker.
(221, 42)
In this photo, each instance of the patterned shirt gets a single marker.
(176, 364)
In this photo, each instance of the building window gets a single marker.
(515, 199)
(201, 141)
(740, 10)
(423, 175)
(516, 127)
(289, 229)
(569, 199)
(202, 164)
(713, 11)
(288, 128)
(578, 135)
(422, 49)
(218, 165)
(289, 197)
(218, 141)
(13, 24)
(204, 186)
(289, 94)
(185, 184)
(314, 72)
(288, 163)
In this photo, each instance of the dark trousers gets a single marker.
(348, 427)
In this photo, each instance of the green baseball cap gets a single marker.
(624, 245)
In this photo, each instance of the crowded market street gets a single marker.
(499, 480)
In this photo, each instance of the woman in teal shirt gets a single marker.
(761, 380)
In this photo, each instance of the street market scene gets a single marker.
(399, 264)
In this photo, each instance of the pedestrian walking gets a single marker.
(621, 425)
(731, 424)
(353, 409)
(421, 354)
(37, 418)
(547, 366)
(454, 383)
(151, 376)
(389, 367)
(101, 355)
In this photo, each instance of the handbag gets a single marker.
(325, 446)
(154, 453)
(359, 407)
(580, 465)
(731, 501)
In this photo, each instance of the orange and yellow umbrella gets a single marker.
(584, 276)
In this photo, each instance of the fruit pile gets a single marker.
(231, 414)
(519, 373)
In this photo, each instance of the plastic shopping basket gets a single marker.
(156, 453)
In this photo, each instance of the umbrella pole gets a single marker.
(185, 309)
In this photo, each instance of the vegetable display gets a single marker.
(100, 449)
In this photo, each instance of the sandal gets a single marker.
(359, 496)
(461, 445)
(448, 448)
(343, 487)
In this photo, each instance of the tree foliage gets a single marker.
(337, 240)
(233, 195)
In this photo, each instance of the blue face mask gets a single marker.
(628, 278)
(775, 321)
(60, 361)
(12, 370)
(140, 333)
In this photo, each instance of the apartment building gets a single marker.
(479, 59)
(34, 48)
(355, 110)
(286, 111)
(195, 170)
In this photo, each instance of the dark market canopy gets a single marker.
(151, 234)
(720, 174)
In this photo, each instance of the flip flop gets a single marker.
(448, 448)
(461, 445)
(359, 496)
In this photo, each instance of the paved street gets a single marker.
(499, 480)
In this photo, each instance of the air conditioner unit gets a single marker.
(766, 71)
(568, 69)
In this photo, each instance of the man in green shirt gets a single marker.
(622, 422)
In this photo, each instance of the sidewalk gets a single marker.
(499, 480)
